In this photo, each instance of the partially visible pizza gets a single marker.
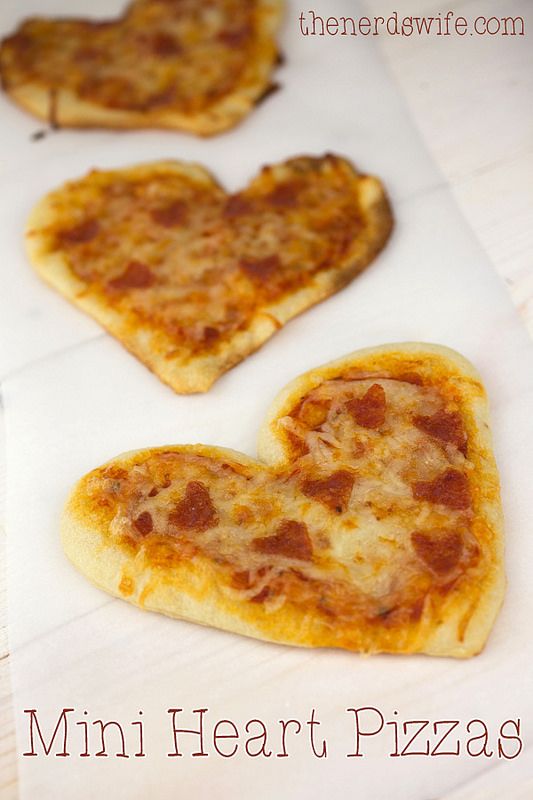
(371, 522)
(195, 65)
(190, 279)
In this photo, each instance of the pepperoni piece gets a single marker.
(262, 268)
(170, 216)
(369, 410)
(444, 425)
(162, 44)
(210, 334)
(87, 54)
(440, 550)
(262, 595)
(291, 540)
(298, 446)
(82, 233)
(284, 196)
(236, 206)
(195, 512)
(333, 491)
(235, 37)
(135, 276)
(242, 579)
(144, 523)
(450, 489)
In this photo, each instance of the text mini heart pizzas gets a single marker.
(194, 65)
(370, 522)
(190, 279)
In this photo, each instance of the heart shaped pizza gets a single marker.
(371, 522)
(196, 65)
(190, 279)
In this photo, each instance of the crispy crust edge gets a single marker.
(192, 593)
(64, 109)
(198, 373)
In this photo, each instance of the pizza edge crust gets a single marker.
(192, 592)
(198, 373)
(65, 109)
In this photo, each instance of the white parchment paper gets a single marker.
(74, 398)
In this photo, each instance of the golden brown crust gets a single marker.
(192, 280)
(329, 540)
(194, 66)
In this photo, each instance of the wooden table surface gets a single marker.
(472, 99)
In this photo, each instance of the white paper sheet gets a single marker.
(74, 398)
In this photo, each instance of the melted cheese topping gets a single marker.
(184, 56)
(170, 250)
(350, 530)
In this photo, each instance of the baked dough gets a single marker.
(371, 522)
(194, 65)
(190, 279)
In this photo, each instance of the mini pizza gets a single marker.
(195, 65)
(190, 279)
(371, 522)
